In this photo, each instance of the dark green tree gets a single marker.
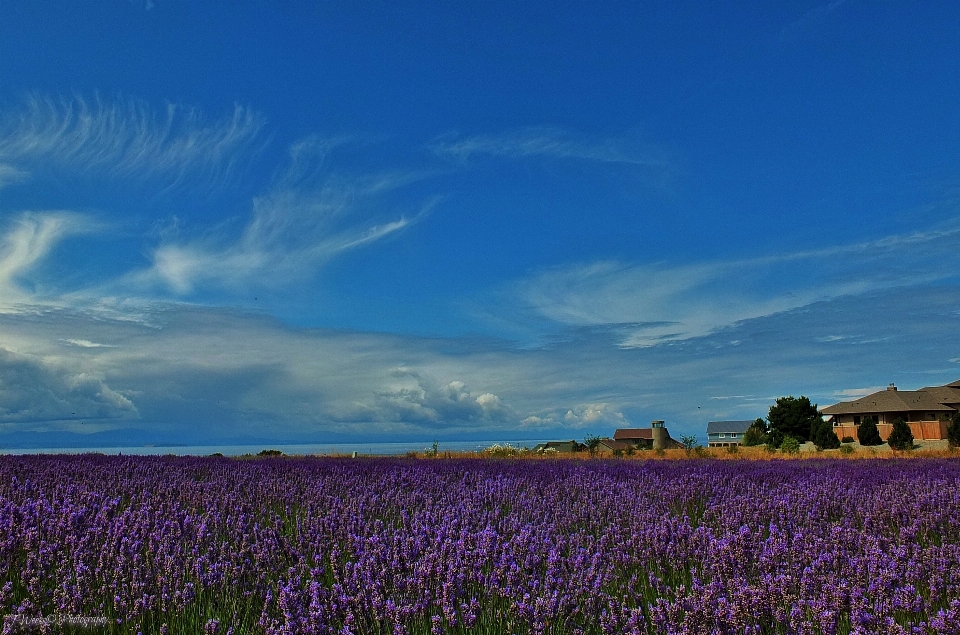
(793, 417)
(824, 437)
(756, 434)
(953, 431)
(867, 432)
(901, 438)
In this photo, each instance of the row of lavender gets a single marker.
(176, 545)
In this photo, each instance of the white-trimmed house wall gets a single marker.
(724, 439)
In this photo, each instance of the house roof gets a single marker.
(615, 445)
(624, 434)
(562, 446)
(714, 427)
(948, 394)
(933, 399)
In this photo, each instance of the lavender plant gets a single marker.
(378, 546)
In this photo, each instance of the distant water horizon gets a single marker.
(372, 449)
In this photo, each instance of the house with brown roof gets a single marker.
(643, 437)
(928, 411)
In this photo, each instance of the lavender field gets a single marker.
(194, 545)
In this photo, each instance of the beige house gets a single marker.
(927, 410)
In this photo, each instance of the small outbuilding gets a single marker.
(609, 446)
(557, 446)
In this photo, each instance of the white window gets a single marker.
(722, 435)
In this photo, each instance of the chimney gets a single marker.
(892, 387)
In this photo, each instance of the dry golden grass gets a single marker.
(758, 453)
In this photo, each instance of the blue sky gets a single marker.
(322, 221)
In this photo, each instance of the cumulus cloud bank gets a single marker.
(32, 390)
(417, 399)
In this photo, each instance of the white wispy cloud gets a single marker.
(29, 240)
(663, 302)
(122, 138)
(857, 392)
(309, 216)
(10, 175)
(549, 143)
(809, 19)
(86, 343)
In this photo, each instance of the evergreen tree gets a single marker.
(953, 431)
(824, 437)
(901, 438)
(794, 417)
(867, 432)
(756, 434)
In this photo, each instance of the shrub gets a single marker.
(846, 449)
(592, 442)
(733, 448)
(953, 431)
(790, 445)
(823, 436)
(269, 453)
(901, 438)
(756, 434)
(847, 440)
(867, 432)
(693, 448)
